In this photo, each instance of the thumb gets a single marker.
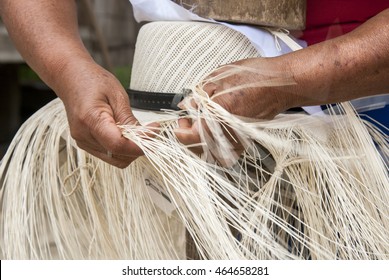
(123, 115)
(122, 112)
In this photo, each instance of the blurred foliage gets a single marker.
(123, 74)
(27, 75)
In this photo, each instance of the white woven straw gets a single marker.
(171, 56)
(306, 186)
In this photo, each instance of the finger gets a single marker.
(184, 130)
(109, 136)
(153, 129)
(88, 141)
(119, 161)
(185, 123)
(188, 135)
(187, 103)
(210, 88)
(122, 112)
(112, 138)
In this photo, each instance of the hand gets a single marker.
(95, 103)
(257, 88)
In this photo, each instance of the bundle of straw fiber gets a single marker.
(306, 187)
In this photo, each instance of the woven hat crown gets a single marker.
(171, 56)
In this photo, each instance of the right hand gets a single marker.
(95, 103)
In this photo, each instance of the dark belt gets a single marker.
(155, 101)
(159, 101)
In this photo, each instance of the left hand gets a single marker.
(254, 88)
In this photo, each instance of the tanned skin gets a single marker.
(348, 67)
(46, 34)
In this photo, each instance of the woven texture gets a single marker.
(306, 187)
(172, 56)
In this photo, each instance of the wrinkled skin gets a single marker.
(97, 103)
(46, 34)
(348, 67)
(253, 102)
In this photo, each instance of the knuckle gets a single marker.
(210, 88)
(125, 117)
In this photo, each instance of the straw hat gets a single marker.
(173, 56)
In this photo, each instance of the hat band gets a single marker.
(155, 101)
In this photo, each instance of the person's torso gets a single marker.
(327, 19)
